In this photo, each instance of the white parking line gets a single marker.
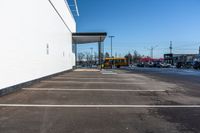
(100, 106)
(87, 70)
(106, 90)
(79, 77)
(109, 73)
(114, 79)
(61, 77)
(78, 82)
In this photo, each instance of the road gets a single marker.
(119, 101)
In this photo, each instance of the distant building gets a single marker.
(197, 58)
(175, 58)
(149, 59)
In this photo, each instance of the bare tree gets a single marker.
(107, 55)
(128, 58)
(136, 57)
(95, 57)
(81, 56)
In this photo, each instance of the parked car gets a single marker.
(188, 65)
(179, 65)
(157, 64)
(140, 65)
(150, 64)
(165, 65)
(196, 65)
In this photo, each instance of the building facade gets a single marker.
(175, 58)
(36, 40)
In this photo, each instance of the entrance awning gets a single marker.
(88, 37)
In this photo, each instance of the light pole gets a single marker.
(133, 56)
(111, 39)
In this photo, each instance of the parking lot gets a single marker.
(91, 101)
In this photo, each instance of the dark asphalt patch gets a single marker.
(83, 98)
(96, 120)
(189, 118)
(190, 83)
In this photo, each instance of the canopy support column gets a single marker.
(76, 55)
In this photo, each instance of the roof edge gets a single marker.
(89, 34)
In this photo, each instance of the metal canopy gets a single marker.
(88, 37)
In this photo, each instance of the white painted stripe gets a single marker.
(109, 73)
(100, 106)
(78, 82)
(107, 90)
(79, 77)
(86, 76)
(114, 79)
(62, 77)
(86, 70)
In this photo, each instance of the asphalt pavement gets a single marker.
(118, 101)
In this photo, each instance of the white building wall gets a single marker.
(26, 28)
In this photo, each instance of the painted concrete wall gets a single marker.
(34, 40)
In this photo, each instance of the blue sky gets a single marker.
(140, 24)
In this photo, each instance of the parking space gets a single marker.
(96, 102)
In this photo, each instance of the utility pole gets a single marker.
(129, 58)
(199, 50)
(152, 50)
(133, 56)
(111, 39)
(170, 48)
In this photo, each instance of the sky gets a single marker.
(141, 24)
